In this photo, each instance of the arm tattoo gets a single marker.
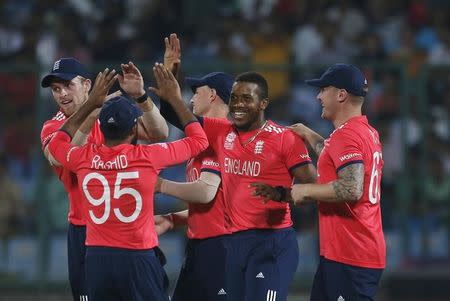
(350, 182)
(318, 147)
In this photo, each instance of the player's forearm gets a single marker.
(315, 141)
(152, 126)
(333, 192)
(74, 122)
(184, 114)
(80, 137)
(201, 191)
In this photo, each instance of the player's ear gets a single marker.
(213, 94)
(87, 84)
(263, 104)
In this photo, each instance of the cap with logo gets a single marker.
(220, 81)
(118, 116)
(342, 76)
(66, 69)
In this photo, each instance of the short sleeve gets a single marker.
(345, 148)
(294, 150)
(210, 162)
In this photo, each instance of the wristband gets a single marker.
(142, 98)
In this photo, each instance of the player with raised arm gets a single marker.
(117, 181)
(70, 84)
(262, 252)
(202, 276)
(352, 246)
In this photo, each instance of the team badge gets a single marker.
(259, 145)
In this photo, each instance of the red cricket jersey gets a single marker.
(206, 220)
(352, 233)
(264, 155)
(68, 178)
(117, 184)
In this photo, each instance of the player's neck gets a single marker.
(344, 116)
(261, 122)
(217, 111)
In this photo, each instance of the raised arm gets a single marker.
(103, 83)
(80, 137)
(172, 61)
(151, 126)
(59, 146)
(169, 90)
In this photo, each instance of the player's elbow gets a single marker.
(162, 132)
(208, 198)
(356, 193)
(202, 143)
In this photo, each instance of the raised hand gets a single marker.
(172, 54)
(103, 82)
(168, 87)
(131, 81)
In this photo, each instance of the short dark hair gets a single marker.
(256, 78)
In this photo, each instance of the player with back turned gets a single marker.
(70, 83)
(117, 181)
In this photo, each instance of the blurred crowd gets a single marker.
(403, 47)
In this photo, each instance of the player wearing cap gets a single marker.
(352, 246)
(262, 251)
(70, 84)
(117, 181)
(202, 276)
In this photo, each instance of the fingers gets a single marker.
(167, 43)
(175, 42)
(161, 72)
(157, 72)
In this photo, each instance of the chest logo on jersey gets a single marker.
(259, 146)
(244, 167)
(229, 141)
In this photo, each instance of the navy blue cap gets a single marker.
(342, 76)
(220, 81)
(118, 116)
(66, 69)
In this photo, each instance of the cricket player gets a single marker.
(70, 83)
(117, 180)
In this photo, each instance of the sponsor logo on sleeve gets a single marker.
(349, 156)
(210, 163)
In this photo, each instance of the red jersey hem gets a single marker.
(77, 222)
(261, 228)
(356, 263)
